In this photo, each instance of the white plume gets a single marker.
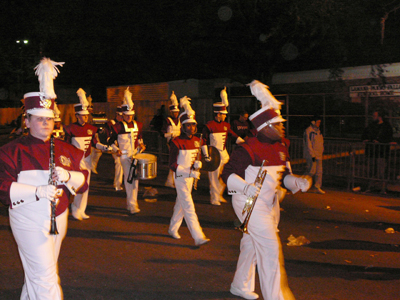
(174, 100)
(128, 98)
(262, 93)
(224, 97)
(185, 104)
(82, 97)
(47, 71)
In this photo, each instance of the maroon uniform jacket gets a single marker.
(81, 137)
(31, 154)
(253, 152)
(215, 133)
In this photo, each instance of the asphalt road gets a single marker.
(116, 256)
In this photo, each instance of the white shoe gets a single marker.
(175, 235)
(319, 191)
(245, 295)
(215, 203)
(76, 213)
(201, 241)
(222, 200)
(84, 216)
(119, 188)
(134, 211)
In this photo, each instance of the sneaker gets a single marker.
(119, 188)
(201, 241)
(175, 235)
(245, 295)
(319, 191)
(215, 203)
(84, 216)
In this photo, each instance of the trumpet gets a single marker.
(251, 201)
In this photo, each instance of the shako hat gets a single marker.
(269, 112)
(188, 115)
(127, 106)
(119, 110)
(82, 107)
(42, 103)
(174, 103)
(221, 107)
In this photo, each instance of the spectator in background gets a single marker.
(378, 132)
(157, 122)
(313, 142)
(242, 125)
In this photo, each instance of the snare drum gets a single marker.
(146, 166)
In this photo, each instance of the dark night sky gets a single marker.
(113, 42)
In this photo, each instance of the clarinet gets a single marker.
(52, 166)
(198, 158)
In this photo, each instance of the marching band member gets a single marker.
(83, 135)
(172, 129)
(215, 133)
(58, 131)
(182, 161)
(25, 188)
(118, 175)
(128, 134)
(261, 246)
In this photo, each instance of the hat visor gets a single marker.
(83, 112)
(189, 121)
(129, 113)
(221, 112)
(277, 119)
(41, 112)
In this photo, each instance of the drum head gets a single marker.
(146, 157)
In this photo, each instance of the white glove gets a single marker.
(204, 150)
(102, 147)
(297, 183)
(194, 174)
(46, 191)
(304, 183)
(251, 190)
(197, 165)
(62, 175)
(237, 185)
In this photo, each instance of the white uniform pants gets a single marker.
(184, 208)
(260, 248)
(131, 188)
(314, 169)
(38, 249)
(217, 186)
(118, 171)
(95, 157)
(81, 200)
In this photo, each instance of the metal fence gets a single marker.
(353, 163)
(356, 163)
